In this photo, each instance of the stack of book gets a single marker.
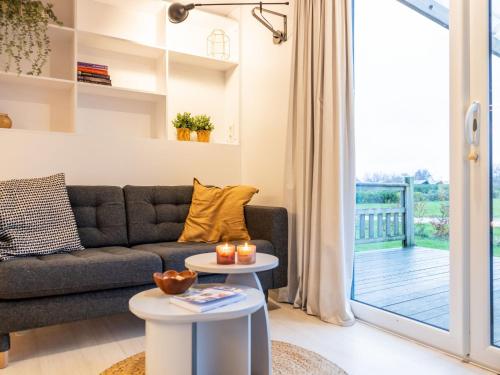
(93, 73)
(199, 299)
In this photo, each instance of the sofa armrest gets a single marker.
(271, 224)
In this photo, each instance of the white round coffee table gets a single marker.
(239, 274)
(182, 342)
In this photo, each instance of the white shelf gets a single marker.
(120, 45)
(201, 61)
(119, 92)
(36, 81)
(131, 38)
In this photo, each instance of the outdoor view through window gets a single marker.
(401, 69)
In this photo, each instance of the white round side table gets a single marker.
(182, 342)
(242, 274)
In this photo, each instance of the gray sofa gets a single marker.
(128, 234)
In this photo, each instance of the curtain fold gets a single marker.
(320, 179)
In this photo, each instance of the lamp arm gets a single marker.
(283, 36)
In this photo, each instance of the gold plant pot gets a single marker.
(183, 134)
(5, 121)
(203, 135)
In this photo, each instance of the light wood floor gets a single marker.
(86, 348)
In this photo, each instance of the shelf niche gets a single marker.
(60, 59)
(131, 66)
(45, 106)
(64, 10)
(205, 91)
(120, 117)
(143, 23)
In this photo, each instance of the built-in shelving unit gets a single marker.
(201, 61)
(157, 70)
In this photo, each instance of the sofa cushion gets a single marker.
(156, 213)
(100, 215)
(173, 254)
(81, 271)
(217, 214)
(36, 218)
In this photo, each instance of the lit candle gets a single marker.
(246, 254)
(225, 254)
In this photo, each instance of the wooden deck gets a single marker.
(412, 282)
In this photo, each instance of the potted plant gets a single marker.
(183, 122)
(203, 127)
(24, 25)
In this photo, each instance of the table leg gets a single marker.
(223, 347)
(261, 339)
(168, 348)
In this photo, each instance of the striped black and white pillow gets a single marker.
(36, 218)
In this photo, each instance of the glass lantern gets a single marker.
(218, 45)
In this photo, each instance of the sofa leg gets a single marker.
(4, 359)
(4, 350)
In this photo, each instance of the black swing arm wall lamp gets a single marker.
(178, 12)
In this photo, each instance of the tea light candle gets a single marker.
(246, 254)
(225, 254)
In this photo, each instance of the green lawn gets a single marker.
(431, 208)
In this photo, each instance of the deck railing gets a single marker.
(382, 224)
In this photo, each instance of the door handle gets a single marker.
(472, 125)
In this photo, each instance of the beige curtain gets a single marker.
(320, 180)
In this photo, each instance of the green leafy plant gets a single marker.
(183, 121)
(23, 34)
(203, 122)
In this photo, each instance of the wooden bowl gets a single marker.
(173, 282)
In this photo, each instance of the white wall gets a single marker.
(90, 160)
(265, 81)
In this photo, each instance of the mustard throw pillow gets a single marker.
(217, 214)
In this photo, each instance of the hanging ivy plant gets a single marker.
(23, 34)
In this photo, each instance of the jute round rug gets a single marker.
(288, 359)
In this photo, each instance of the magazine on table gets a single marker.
(200, 299)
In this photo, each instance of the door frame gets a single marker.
(456, 340)
(481, 350)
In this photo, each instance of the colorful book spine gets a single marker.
(93, 70)
(93, 66)
(85, 74)
(94, 82)
(93, 73)
(92, 79)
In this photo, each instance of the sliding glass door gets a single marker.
(427, 88)
(410, 81)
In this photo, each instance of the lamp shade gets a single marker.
(178, 12)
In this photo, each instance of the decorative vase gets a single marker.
(5, 121)
(203, 135)
(183, 134)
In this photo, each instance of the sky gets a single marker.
(401, 68)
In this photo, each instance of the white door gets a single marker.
(411, 92)
(427, 89)
(485, 184)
